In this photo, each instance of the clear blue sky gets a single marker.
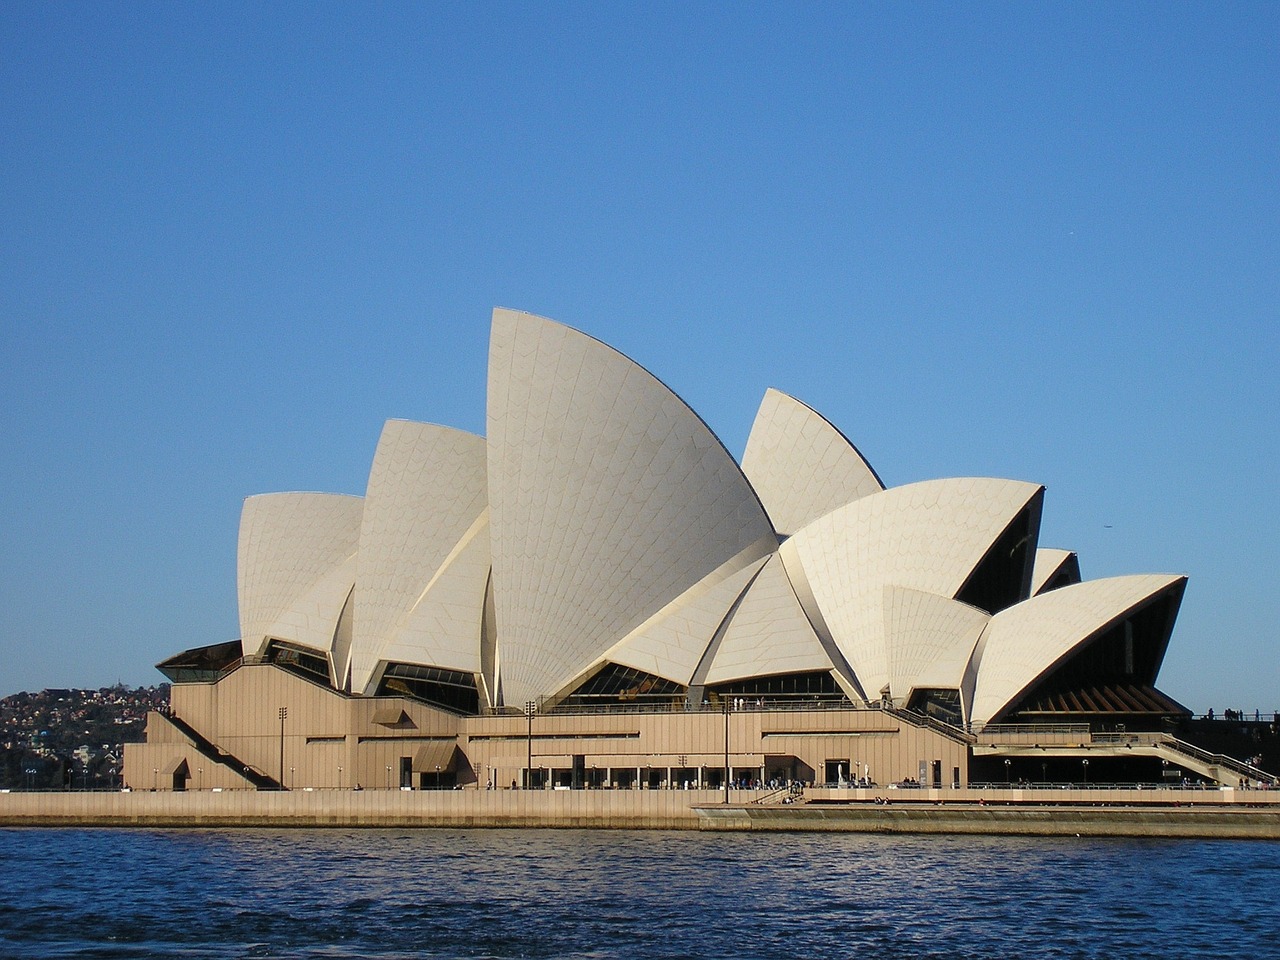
(1021, 240)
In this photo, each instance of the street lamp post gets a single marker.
(339, 776)
(388, 776)
(284, 712)
(1085, 763)
(724, 701)
(1008, 777)
(529, 707)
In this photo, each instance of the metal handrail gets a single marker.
(933, 723)
(1030, 729)
(1220, 759)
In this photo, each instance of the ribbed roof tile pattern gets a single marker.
(426, 490)
(927, 536)
(768, 633)
(443, 628)
(1024, 642)
(672, 642)
(930, 639)
(801, 466)
(609, 499)
(289, 542)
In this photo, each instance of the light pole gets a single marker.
(1085, 763)
(529, 707)
(1008, 777)
(388, 776)
(339, 777)
(284, 712)
(724, 702)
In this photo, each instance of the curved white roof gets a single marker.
(442, 628)
(609, 499)
(671, 643)
(602, 521)
(1048, 562)
(930, 639)
(801, 466)
(768, 633)
(926, 536)
(290, 562)
(1024, 642)
(426, 491)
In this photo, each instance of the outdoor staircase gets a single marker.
(1224, 769)
(210, 751)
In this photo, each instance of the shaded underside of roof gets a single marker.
(1093, 700)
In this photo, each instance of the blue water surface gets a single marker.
(626, 894)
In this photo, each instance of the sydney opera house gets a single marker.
(597, 594)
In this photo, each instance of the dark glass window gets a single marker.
(1003, 576)
(308, 664)
(201, 664)
(450, 689)
(786, 688)
(941, 704)
(616, 685)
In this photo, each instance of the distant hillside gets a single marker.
(72, 739)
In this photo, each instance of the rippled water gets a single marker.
(602, 894)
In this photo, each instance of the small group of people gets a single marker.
(1230, 714)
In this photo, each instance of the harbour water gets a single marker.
(633, 895)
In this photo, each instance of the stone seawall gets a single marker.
(622, 809)
(1028, 820)
(1252, 814)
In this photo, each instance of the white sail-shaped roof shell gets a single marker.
(1024, 642)
(768, 633)
(673, 642)
(931, 640)
(295, 562)
(801, 466)
(1048, 563)
(926, 536)
(442, 629)
(609, 498)
(426, 492)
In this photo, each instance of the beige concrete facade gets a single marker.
(328, 740)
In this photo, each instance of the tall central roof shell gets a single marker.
(609, 498)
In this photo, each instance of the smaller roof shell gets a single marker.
(292, 544)
(1026, 641)
(801, 465)
(927, 536)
